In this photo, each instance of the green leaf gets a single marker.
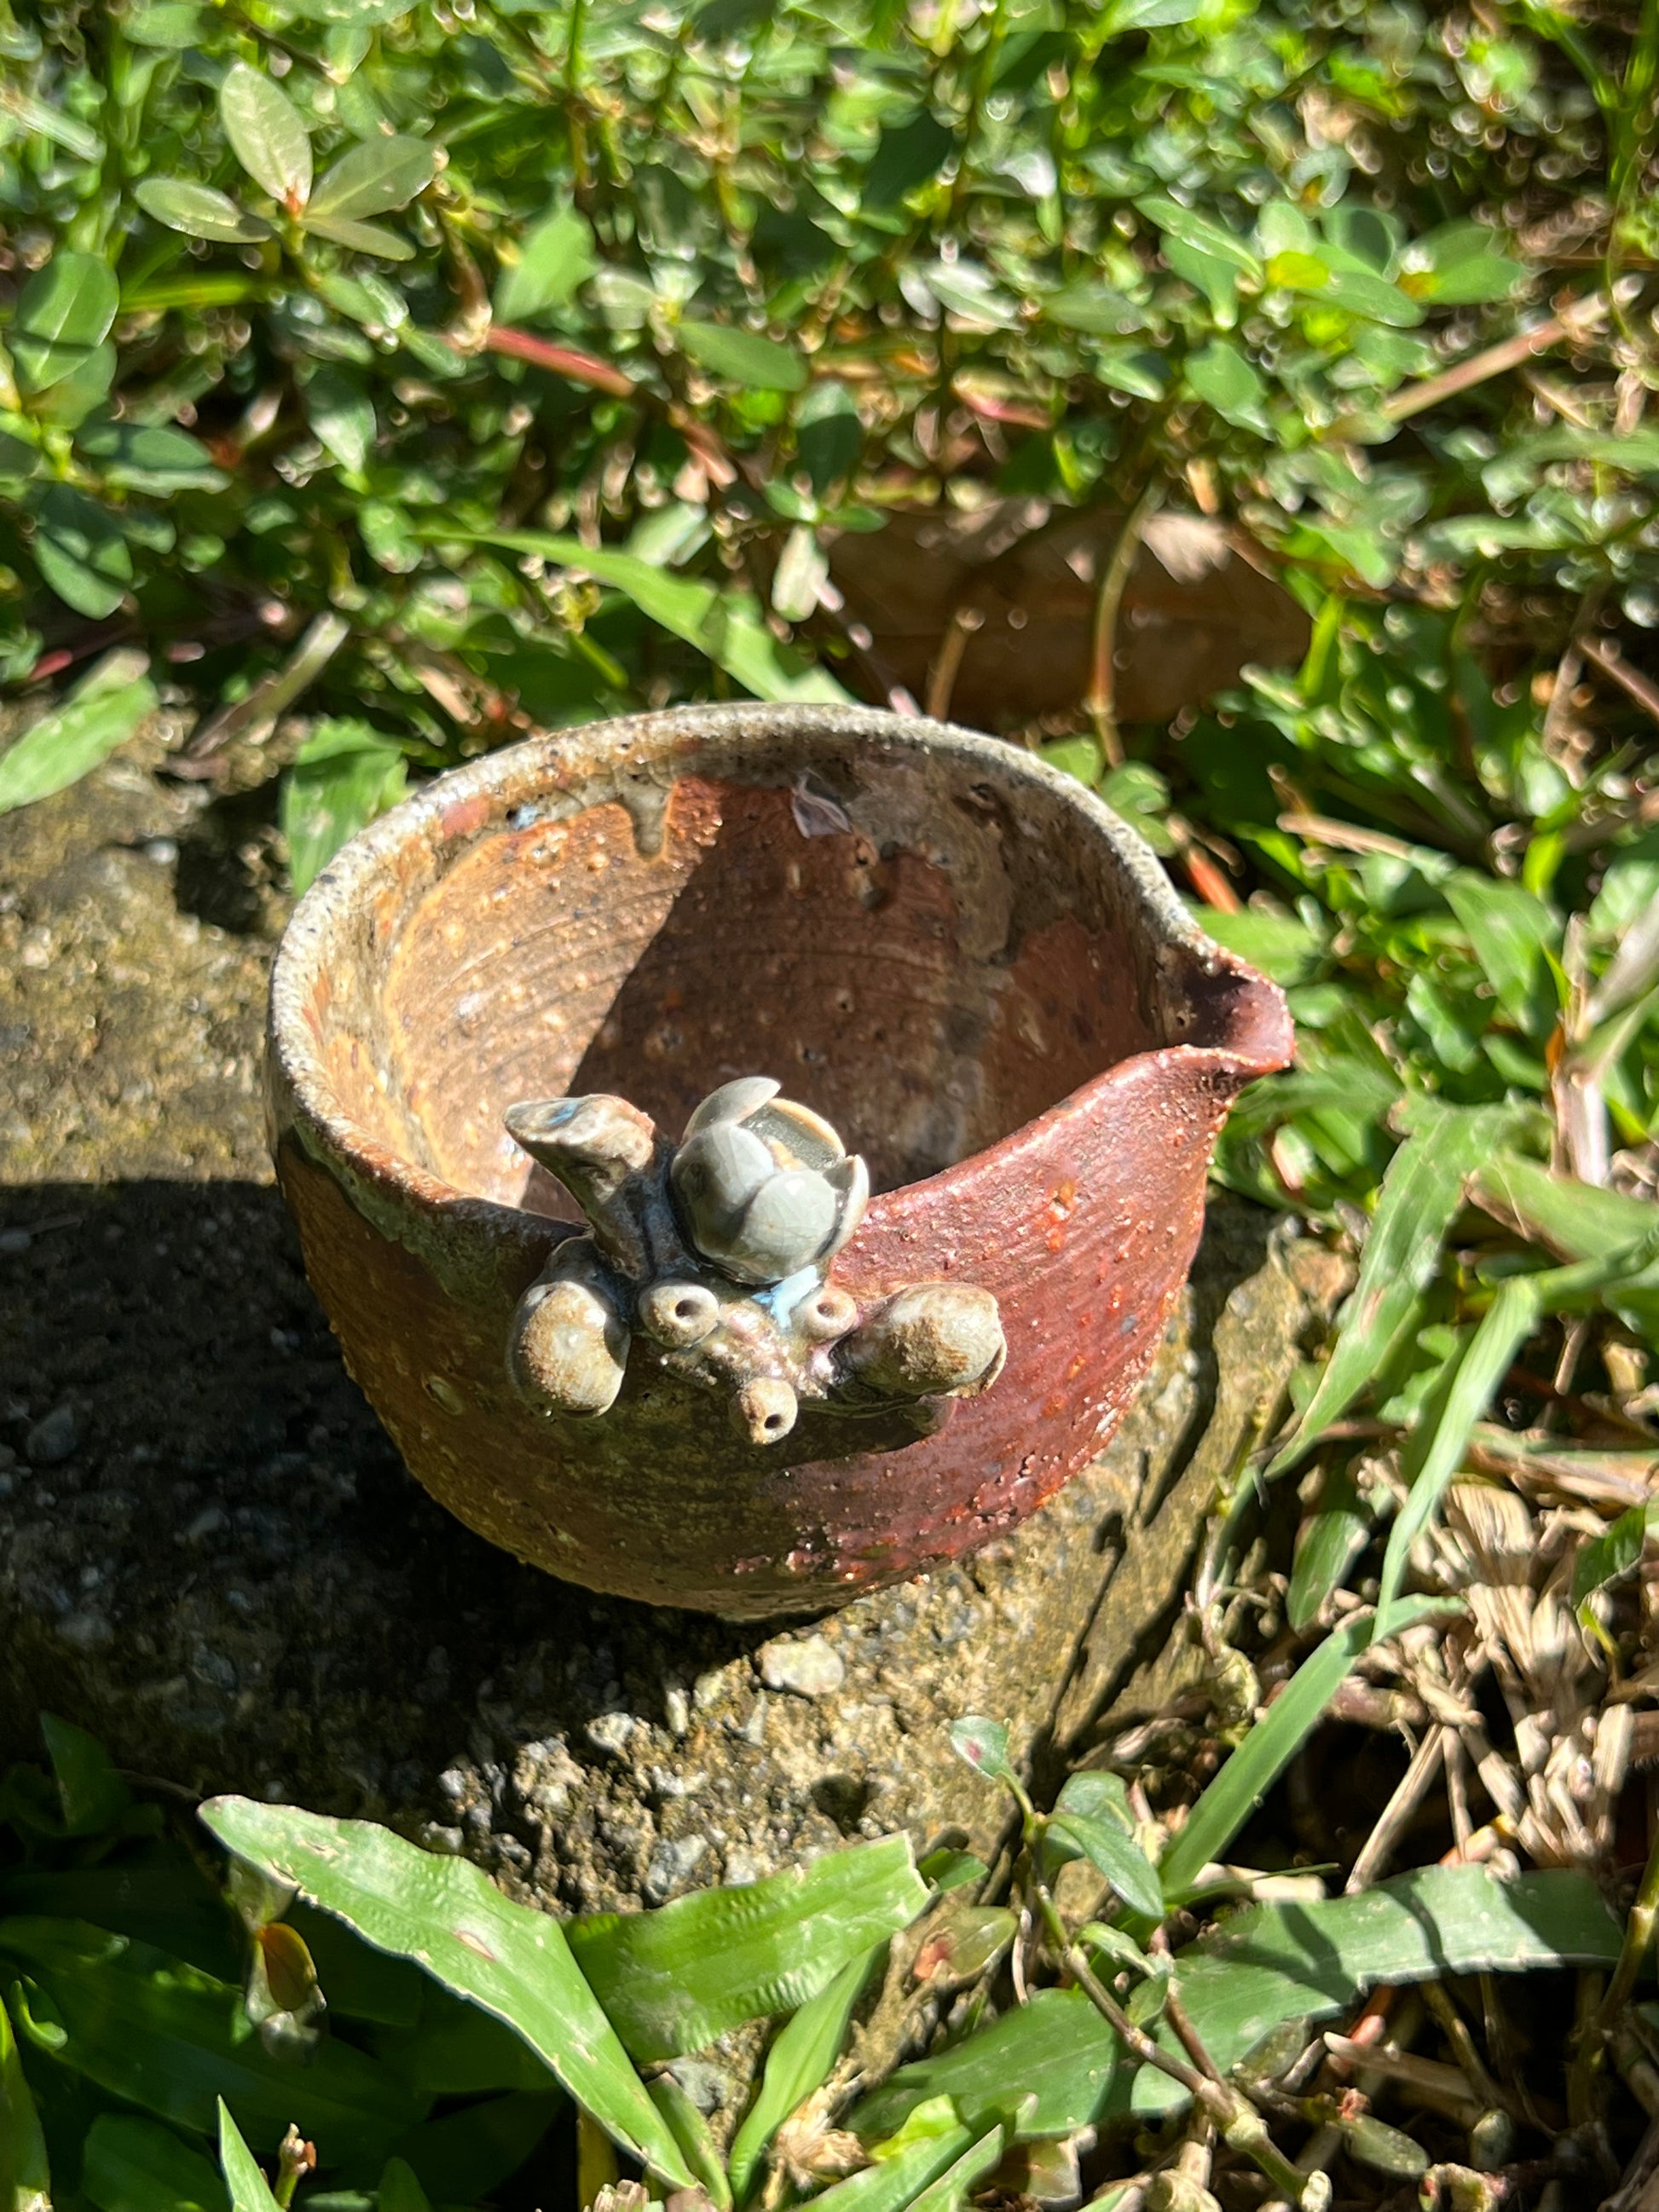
(1274, 1963)
(400, 2187)
(93, 1795)
(1578, 1221)
(71, 301)
(199, 211)
(1327, 1545)
(984, 1744)
(1051, 2067)
(1121, 15)
(342, 414)
(372, 179)
(172, 25)
(81, 552)
(446, 1915)
(674, 1979)
(150, 457)
(946, 1869)
(956, 2185)
(829, 434)
(1116, 1856)
(360, 237)
(557, 257)
(267, 134)
(1092, 1818)
(66, 744)
(81, 382)
(1514, 933)
(1214, 276)
(724, 624)
(1420, 1195)
(453, 2049)
(1434, 1449)
(343, 776)
(25, 2180)
(1362, 292)
(799, 2062)
(63, 316)
(249, 2190)
(929, 2143)
(1189, 229)
(742, 357)
(162, 2035)
(695, 2138)
(133, 2165)
(1612, 1554)
(1224, 380)
(1227, 1802)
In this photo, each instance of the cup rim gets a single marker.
(1252, 1034)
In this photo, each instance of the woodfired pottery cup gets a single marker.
(954, 954)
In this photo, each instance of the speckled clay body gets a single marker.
(984, 982)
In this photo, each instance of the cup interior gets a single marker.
(929, 943)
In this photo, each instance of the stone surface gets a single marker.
(231, 1579)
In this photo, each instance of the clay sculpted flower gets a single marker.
(765, 1187)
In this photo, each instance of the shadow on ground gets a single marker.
(197, 1447)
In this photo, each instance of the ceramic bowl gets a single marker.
(952, 953)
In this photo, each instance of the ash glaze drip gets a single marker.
(716, 1254)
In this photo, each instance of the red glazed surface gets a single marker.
(985, 983)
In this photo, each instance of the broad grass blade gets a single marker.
(1054, 2065)
(798, 2063)
(1228, 1801)
(249, 2190)
(1435, 1449)
(674, 1979)
(25, 2179)
(449, 1918)
(1420, 1195)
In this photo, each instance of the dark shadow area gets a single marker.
(1235, 1245)
(211, 1555)
(229, 873)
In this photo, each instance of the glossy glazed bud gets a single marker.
(764, 1186)
(570, 1348)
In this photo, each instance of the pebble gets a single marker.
(611, 1731)
(53, 1438)
(808, 1665)
(86, 1631)
(672, 1863)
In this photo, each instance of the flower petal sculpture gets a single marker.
(717, 1254)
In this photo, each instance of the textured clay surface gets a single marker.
(994, 1001)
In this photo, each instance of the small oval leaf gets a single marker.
(267, 134)
(743, 357)
(372, 179)
(199, 211)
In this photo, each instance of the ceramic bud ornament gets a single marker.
(713, 1257)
